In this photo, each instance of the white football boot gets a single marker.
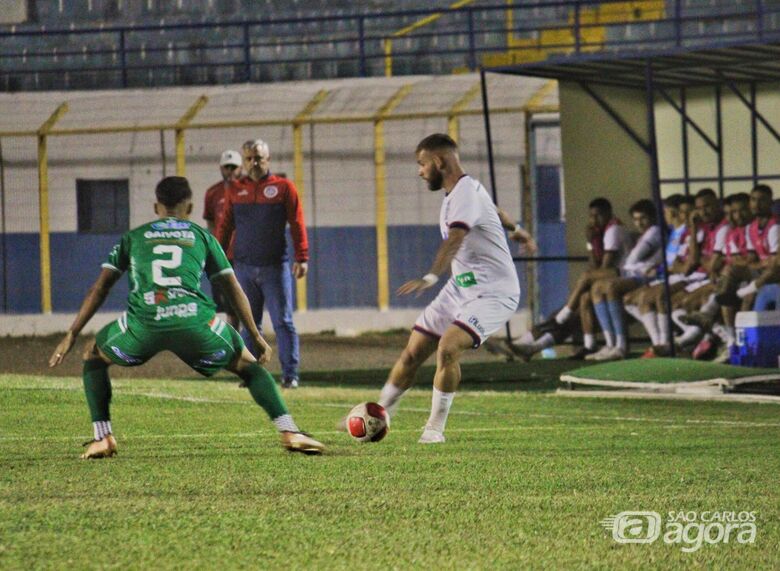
(614, 354)
(598, 355)
(431, 436)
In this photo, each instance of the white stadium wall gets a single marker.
(339, 174)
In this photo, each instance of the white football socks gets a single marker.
(633, 311)
(690, 332)
(609, 339)
(390, 397)
(650, 322)
(440, 409)
(101, 429)
(526, 338)
(285, 423)
(563, 315)
(546, 340)
(710, 307)
(589, 340)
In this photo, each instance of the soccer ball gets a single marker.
(368, 422)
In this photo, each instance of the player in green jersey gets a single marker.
(166, 310)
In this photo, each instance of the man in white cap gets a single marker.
(230, 168)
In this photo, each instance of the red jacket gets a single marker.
(257, 214)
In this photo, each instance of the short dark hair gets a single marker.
(736, 197)
(687, 199)
(674, 200)
(706, 192)
(763, 188)
(173, 190)
(437, 142)
(644, 206)
(601, 204)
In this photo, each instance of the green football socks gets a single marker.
(264, 390)
(97, 387)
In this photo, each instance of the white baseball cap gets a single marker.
(230, 158)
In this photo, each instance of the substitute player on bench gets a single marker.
(166, 310)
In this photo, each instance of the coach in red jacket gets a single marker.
(257, 209)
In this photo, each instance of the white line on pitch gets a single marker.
(346, 406)
(269, 432)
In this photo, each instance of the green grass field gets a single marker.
(523, 481)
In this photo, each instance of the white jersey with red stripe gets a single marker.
(618, 240)
(482, 264)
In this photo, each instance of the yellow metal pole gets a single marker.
(388, 45)
(380, 190)
(510, 24)
(43, 208)
(453, 124)
(536, 102)
(181, 125)
(298, 123)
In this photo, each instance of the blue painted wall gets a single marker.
(342, 269)
(553, 277)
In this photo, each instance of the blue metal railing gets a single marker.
(353, 45)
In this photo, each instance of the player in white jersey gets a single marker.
(480, 296)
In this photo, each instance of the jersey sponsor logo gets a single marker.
(181, 235)
(214, 358)
(124, 356)
(158, 296)
(474, 322)
(270, 191)
(180, 310)
(171, 225)
(466, 279)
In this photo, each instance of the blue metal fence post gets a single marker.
(362, 44)
(472, 42)
(247, 54)
(678, 22)
(719, 138)
(123, 57)
(655, 189)
(577, 27)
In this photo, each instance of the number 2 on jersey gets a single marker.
(172, 263)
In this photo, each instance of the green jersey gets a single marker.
(165, 260)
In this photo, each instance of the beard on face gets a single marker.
(436, 181)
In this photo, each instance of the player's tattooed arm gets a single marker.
(95, 297)
(243, 310)
(441, 263)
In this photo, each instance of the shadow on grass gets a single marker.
(540, 375)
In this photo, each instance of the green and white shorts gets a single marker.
(206, 347)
